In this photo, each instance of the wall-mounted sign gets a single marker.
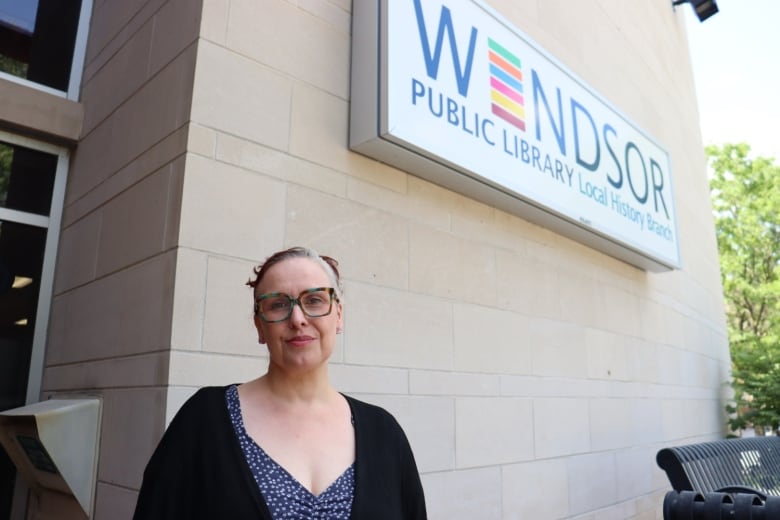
(449, 91)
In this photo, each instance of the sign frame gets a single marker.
(377, 131)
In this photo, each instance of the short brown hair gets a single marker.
(329, 265)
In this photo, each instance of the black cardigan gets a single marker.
(199, 471)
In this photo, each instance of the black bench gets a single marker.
(748, 464)
(731, 478)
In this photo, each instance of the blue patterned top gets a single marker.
(286, 498)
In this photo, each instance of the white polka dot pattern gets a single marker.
(286, 498)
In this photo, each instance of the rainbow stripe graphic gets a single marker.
(506, 85)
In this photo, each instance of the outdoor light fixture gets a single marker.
(703, 8)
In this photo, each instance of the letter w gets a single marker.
(432, 61)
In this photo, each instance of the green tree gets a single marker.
(12, 66)
(6, 158)
(746, 205)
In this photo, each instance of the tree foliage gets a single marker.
(746, 206)
(6, 158)
(13, 67)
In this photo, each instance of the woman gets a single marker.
(285, 445)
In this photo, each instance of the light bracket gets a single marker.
(703, 8)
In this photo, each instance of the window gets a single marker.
(41, 42)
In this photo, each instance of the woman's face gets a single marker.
(299, 343)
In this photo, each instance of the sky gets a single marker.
(736, 66)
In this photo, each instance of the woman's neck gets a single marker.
(310, 388)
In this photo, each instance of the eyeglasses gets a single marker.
(315, 303)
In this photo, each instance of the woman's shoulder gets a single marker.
(371, 415)
(366, 407)
(204, 399)
(206, 394)
(209, 393)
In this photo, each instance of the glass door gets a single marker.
(32, 184)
